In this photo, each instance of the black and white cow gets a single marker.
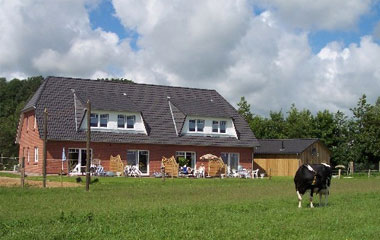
(313, 177)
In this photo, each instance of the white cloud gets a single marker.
(206, 43)
(321, 14)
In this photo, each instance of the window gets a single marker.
(35, 123)
(200, 125)
(231, 159)
(139, 158)
(222, 126)
(94, 120)
(27, 155)
(27, 123)
(186, 158)
(191, 125)
(215, 126)
(131, 121)
(36, 154)
(120, 121)
(103, 120)
(77, 158)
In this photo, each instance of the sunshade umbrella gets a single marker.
(340, 166)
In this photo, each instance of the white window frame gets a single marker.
(138, 159)
(225, 127)
(212, 126)
(35, 122)
(100, 120)
(124, 118)
(97, 121)
(27, 155)
(229, 159)
(195, 125)
(79, 154)
(36, 154)
(126, 121)
(196, 122)
(193, 165)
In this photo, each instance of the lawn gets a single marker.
(147, 208)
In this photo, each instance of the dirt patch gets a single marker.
(16, 182)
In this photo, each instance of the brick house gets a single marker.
(141, 122)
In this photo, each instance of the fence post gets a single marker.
(44, 148)
(2, 163)
(339, 173)
(270, 174)
(369, 172)
(88, 154)
(23, 172)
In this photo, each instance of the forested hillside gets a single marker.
(355, 138)
(13, 96)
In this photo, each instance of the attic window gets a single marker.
(192, 125)
(94, 120)
(222, 126)
(103, 120)
(215, 126)
(131, 121)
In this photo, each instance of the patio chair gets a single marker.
(234, 173)
(255, 173)
(200, 173)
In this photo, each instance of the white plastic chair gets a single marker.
(255, 173)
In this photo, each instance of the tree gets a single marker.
(299, 124)
(245, 109)
(13, 96)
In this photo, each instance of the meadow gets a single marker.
(148, 208)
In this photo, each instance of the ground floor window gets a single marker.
(231, 159)
(77, 158)
(139, 158)
(186, 158)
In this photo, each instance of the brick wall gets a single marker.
(103, 151)
(29, 139)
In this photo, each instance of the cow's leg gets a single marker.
(299, 199)
(311, 198)
(327, 196)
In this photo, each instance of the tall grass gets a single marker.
(129, 208)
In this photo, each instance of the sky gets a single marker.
(316, 54)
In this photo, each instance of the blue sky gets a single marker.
(103, 16)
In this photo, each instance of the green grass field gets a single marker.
(129, 208)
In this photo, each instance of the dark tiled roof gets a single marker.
(151, 100)
(201, 107)
(34, 99)
(283, 146)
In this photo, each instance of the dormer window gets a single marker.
(120, 121)
(215, 126)
(94, 120)
(222, 126)
(196, 125)
(131, 121)
(200, 125)
(104, 120)
(191, 125)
